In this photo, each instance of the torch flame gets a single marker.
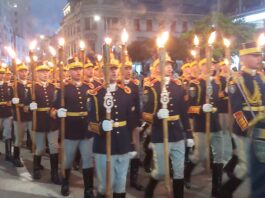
(261, 40)
(99, 57)
(27, 59)
(226, 42)
(52, 51)
(11, 52)
(82, 45)
(108, 40)
(124, 36)
(18, 61)
(196, 40)
(35, 58)
(193, 53)
(212, 38)
(161, 41)
(226, 61)
(61, 42)
(32, 45)
(4, 65)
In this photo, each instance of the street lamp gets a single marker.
(96, 17)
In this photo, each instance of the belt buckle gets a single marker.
(115, 124)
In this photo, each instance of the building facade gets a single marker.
(92, 20)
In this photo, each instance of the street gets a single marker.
(18, 183)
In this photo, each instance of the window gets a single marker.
(87, 23)
(136, 24)
(149, 25)
(184, 26)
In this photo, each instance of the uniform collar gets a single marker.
(126, 82)
(113, 87)
(76, 84)
(43, 84)
(251, 72)
(24, 82)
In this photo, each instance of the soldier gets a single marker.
(120, 127)
(133, 84)
(8, 77)
(25, 124)
(246, 93)
(45, 125)
(197, 110)
(76, 134)
(89, 75)
(6, 93)
(176, 115)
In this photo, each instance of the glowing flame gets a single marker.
(161, 41)
(99, 57)
(18, 61)
(50, 64)
(4, 65)
(196, 40)
(226, 61)
(52, 51)
(61, 42)
(35, 58)
(11, 52)
(226, 42)
(82, 45)
(32, 45)
(193, 53)
(124, 36)
(261, 40)
(27, 59)
(212, 38)
(108, 40)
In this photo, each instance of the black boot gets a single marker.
(65, 183)
(217, 179)
(16, 155)
(229, 187)
(149, 190)
(119, 195)
(189, 166)
(54, 168)
(8, 145)
(178, 188)
(134, 170)
(36, 169)
(230, 166)
(88, 177)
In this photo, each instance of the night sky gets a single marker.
(47, 15)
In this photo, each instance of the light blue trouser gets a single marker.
(6, 123)
(85, 148)
(119, 169)
(242, 148)
(20, 131)
(216, 142)
(40, 142)
(177, 155)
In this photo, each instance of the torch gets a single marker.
(54, 62)
(82, 55)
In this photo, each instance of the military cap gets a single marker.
(75, 65)
(8, 71)
(157, 61)
(249, 48)
(22, 67)
(184, 66)
(2, 70)
(42, 68)
(88, 64)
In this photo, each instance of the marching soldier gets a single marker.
(176, 115)
(76, 134)
(6, 93)
(197, 110)
(89, 75)
(25, 123)
(133, 84)
(247, 97)
(120, 128)
(46, 125)
(8, 76)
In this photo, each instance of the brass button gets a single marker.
(80, 97)
(116, 112)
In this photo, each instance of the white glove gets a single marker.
(163, 114)
(107, 125)
(190, 143)
(61, 113)
(33, 106)
(15, 100)
(207, 108)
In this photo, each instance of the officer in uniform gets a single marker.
(88, 75)
(120, 127)
(76, 134)
(45, 125)
(8, 76)
(247, 97)
(133, 84)
(6, 93)
(25, 124)
(197, 110)
(177, 116)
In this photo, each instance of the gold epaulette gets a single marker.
(241, 120)
(125, 88)
(90, 85)
(136, 81)
(95, 91)
(147, 84)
